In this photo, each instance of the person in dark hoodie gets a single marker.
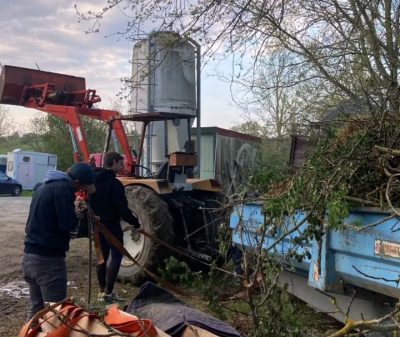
(52, 216)
(109, 203)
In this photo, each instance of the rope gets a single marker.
(89, 220)
(118, 245)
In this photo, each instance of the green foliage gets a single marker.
(14, 141)
(96, 132)
(54, 137)
(343, 168)
(337, 208)
(179, 271)
(26, 193)
(252, 128)
(279, 318)
(176, 271)
(273, 166)
(51, 135)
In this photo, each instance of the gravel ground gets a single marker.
(13, 290)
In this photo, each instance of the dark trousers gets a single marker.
(107, 275)
(47, 280)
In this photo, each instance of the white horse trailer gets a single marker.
(28, 167)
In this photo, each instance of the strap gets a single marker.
(64, 329)
(120, 247)
(131, 324)
(97, 245)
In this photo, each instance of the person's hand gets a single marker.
(136, 232)
(81, 205)
(80, 208)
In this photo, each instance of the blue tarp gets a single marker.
(172, 315)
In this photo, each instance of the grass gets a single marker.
(23, 194)
(26, 193)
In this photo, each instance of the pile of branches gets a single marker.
(368, 152)
(355, 163)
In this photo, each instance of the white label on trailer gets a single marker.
(79, 133)
(386, 248)
(316, 272)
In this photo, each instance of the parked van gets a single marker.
(3, 163)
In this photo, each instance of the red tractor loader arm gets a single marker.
(65, 97)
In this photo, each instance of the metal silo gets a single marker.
(165, 79)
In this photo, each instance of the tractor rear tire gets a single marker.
(155, 218)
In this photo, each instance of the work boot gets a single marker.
(113, 297)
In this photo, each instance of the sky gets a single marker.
(47, 34)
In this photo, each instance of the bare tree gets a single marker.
(351, 46)
(275, 96)
(6, 122)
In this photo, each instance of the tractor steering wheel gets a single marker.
(147, 174)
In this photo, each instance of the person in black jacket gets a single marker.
(109, 203)
(52, 216)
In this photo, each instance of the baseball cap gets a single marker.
(84, 174)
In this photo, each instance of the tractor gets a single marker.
(176, 209)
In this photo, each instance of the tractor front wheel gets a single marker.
(155, 218)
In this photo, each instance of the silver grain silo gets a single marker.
(165, 79)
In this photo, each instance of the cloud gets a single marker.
(48, 33)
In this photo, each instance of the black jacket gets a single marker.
(109, 201)
(51, 218)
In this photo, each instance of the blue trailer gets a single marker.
(363, 258)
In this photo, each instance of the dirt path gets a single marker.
(13, 302)
(13, 290)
